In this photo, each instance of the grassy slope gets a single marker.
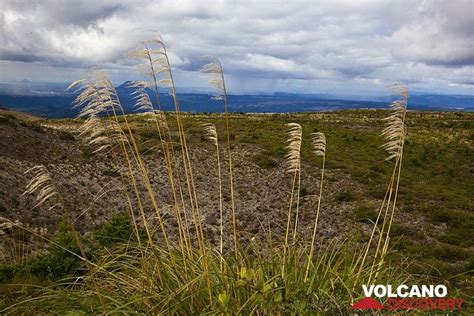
(436, 178)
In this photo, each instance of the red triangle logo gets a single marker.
(367, 303)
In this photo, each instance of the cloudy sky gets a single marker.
(346, 46)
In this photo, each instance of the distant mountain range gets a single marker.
(52, 101)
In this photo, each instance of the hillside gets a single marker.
(433, 221)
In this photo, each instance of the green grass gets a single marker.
(264, 161)
(132, 279)
(66, 136)
(110, 173)
(345, 196)
(364, 214)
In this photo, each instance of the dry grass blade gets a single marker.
(319, 147)
(293, 161)
(394, 133)
(211, 134)
(217, 80)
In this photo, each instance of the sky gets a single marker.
(337, 47)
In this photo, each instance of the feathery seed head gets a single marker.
(214, 68)
(101, 133)
(96, 93)
(319, 143)
(395, 129)
(210, 132)
(142, 99)
(155, 61)
(42, 184)
(295, 136)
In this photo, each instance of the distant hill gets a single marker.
(51, 101)
(6, 112)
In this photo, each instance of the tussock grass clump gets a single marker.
(134, 279)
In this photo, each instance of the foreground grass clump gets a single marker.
(133, 279)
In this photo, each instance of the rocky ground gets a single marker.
(92, 190)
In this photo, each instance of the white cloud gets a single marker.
(264, 45)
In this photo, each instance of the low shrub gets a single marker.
(111, 173)
(118, 229)
(365, 214)
(265, 162)
(345, 196)
(60, 262)
(66, 136)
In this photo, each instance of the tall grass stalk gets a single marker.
(143, 102)
(211, 134)
(395, 133)
(140, 162)
(295, 137)
(168, 80)
(148, 68)
(319, 146)
(94, 99)
(215, 69)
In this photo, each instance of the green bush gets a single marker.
(118, 229)
(60, 262)
(452, 238)
(449, 253)
(265, 162)
(304, 191)
(440, 216)
(37, 128)
(111, 173)
(345, 196)
(364, 214)
(400, 230)
(7, 120)
(6, 273)
(66, 136)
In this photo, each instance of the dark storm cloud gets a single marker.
(23, 57)
(351, 42)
